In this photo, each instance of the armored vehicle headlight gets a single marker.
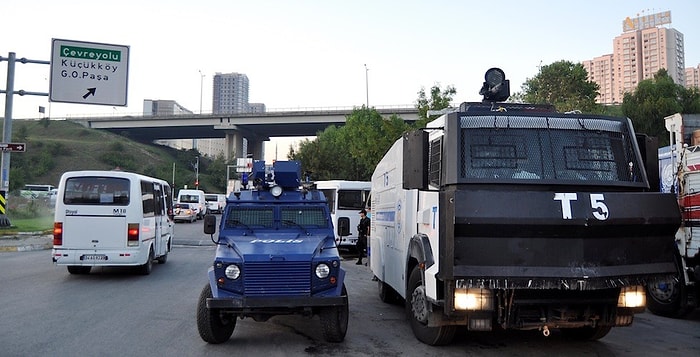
(322, 271)
(232, 272)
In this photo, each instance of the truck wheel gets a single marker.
(334, 320)
(669, 298)
(586, 333)
(387, 293)
(418, 311)
(213, 325)
(77, 269)
(147, 267)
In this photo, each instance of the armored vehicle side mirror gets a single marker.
(209, 224)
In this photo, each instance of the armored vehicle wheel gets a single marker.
(586, 333)
(213, 325)
(76, 269)
(417, 311)
(334, 320)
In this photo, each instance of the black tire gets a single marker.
(147, 267)
(213, 325)
(417, 311)
(163, 258)
(78, 269)
(386, 293)
(586, 333)
(669, 298)
(334, 320)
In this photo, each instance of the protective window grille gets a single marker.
(305, 216)
(553, 148)
(435, 161)
(258, 217)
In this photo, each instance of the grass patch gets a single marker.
(36, 224)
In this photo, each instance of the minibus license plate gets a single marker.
(93, 257)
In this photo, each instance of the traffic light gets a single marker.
(496, 87)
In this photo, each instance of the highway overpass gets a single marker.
(255, 127)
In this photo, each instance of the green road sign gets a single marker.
(89, 73)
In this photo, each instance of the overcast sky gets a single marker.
(310, 54)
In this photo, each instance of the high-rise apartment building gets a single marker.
(638, 53)
(163, 107)
(601, 71)
(230, 94)
(692, 77)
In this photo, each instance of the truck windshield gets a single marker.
(507, 148)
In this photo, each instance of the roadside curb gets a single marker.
(25, 242)
(26, 248)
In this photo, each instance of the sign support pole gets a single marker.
(7, 130)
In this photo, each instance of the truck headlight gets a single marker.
(322, 271)
(632, 296)
(232, 271)
(473, 299)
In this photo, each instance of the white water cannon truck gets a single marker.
(515, 216)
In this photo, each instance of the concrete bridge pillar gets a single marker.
(257, 148)
(233, 145)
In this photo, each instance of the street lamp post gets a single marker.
(367, 84)
(201, 90)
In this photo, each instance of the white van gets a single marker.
(345, 200)
(215, 202)
(36, 191)
(196, 197)
(111, 218)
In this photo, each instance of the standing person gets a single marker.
(363, 233)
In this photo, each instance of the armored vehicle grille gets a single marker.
(277, 278)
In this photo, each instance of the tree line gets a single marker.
(351, 152)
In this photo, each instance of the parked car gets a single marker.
(185, 212)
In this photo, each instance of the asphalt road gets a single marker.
(113, 312)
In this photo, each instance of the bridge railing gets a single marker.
(336, 109)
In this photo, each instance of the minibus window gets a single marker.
(90, 190)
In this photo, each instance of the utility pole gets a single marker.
(367, 84)
(196, 180)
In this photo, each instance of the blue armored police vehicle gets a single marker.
(276, 255)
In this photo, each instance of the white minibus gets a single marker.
(345, 200)
(112, 218)
(195, 197)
